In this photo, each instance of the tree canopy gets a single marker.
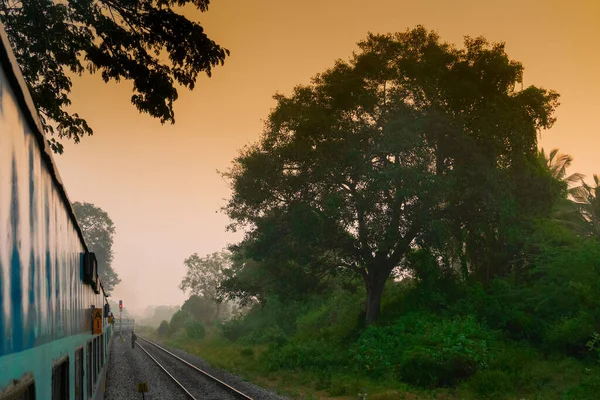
(203, 277)
(146, 42)
(98, 231)
(411, 144)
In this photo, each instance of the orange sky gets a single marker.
(159, 183)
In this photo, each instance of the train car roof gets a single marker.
(19, 87)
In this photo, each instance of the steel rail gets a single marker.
(167, 372)
(233, 390)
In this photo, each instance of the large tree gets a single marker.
(98, 231)
(201, 309)
(354, 170)
(204, 275)
(144, 41)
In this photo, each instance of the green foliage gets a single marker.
(424, 350)
(586, 206)
(163, 329)
(204, 274)
(247, 352)
(412, 140)
(587, 389)
(201, 309)
(312, 355)
(98, 231)
(593, 344)
(272, 322)
(564, 288)
(439, 330)
(122, 40)
(334, 319)
(195, 329)
(233, 329)
(202, 279)
(178, 321)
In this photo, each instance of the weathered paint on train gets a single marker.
(42, 297)
(45, 307)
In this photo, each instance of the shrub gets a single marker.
(333, 319)
(247, 352)
(570, 335)
(424, 350)
(587, 389)
(313, 355)
(233, 329)
(273, 320)
(163, 329)
(195, 330)
(492, 383)
(178, 321)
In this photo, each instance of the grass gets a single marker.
(516, 373)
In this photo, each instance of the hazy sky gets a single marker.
(159, 183)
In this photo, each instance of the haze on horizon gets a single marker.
(159, 182)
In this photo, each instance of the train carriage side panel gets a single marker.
(45, 308)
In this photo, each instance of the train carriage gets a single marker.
(54, 325)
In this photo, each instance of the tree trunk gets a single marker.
(218, 311)
(374, 283)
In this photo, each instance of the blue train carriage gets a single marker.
(54, 325)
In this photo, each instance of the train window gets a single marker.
(21, 389)
(79, 373)
(89, 369)
(60, 379)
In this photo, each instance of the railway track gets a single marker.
(194, 382)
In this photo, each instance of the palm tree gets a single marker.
(580, 211)
(557, 164)
(586, 200)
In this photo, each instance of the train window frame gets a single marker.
(20, 389)
(101, 351)
(95, 359)
(89, 369)
(79, 373)
(97, 355)
(60, 384)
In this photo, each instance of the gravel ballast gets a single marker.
(256, 392)
(195, 382)
(128, 367)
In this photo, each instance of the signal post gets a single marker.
(121, 318)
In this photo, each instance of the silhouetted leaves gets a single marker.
(143, 41)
